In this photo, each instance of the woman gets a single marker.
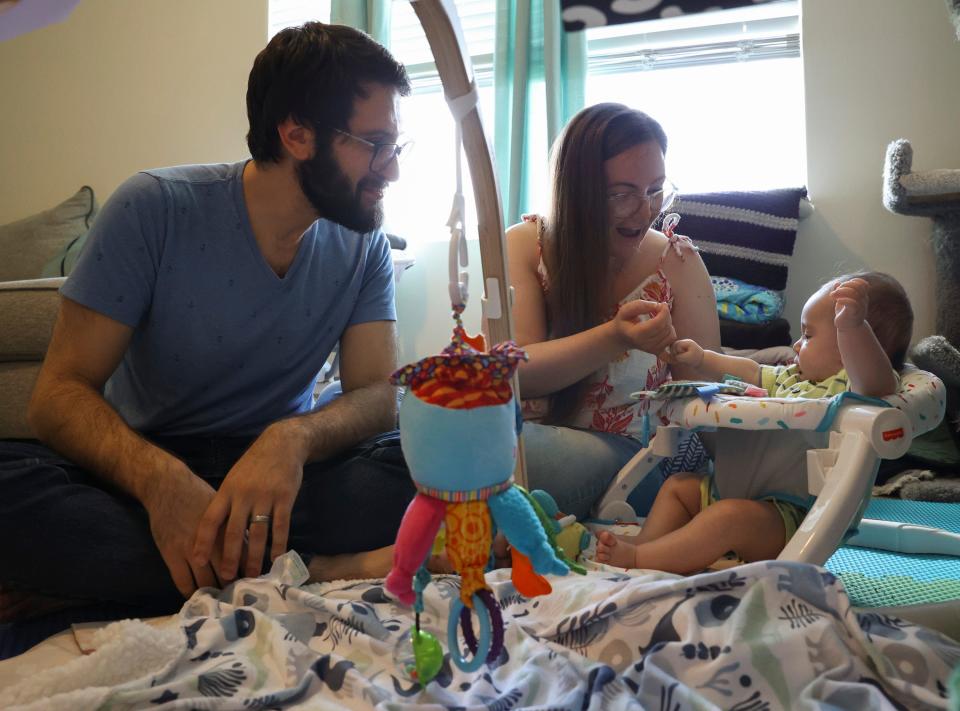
(598, 294)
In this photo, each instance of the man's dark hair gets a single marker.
(312, 74)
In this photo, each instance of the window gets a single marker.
(290, 13)
(727, 87)
(418, 205)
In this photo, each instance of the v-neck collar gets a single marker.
(240, 203)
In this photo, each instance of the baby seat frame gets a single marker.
(840, 475)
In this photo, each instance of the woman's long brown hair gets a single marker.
(576, 249)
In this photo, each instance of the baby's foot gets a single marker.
(612, 551)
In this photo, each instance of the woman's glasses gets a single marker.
(626, 204)
(383, 153)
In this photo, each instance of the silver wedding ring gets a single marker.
(261, 518)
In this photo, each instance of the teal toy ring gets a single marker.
(483, 644)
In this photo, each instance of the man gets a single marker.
(177, 388)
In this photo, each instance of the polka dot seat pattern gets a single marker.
(922, 398)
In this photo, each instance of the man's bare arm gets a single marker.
(368, 406)
(68, 412)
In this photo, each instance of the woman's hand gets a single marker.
(851, 300)
(644, 326)
(684, 352)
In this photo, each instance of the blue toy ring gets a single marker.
(496, 626)
(483, 646)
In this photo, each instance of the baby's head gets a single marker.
(888, 313)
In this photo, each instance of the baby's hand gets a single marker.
(684, 352)
(851, 300)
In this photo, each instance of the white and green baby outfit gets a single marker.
(770, 465)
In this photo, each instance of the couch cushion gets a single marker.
(28, 310)
(28, 244)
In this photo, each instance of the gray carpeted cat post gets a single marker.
(934, 194)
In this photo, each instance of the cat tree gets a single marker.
(934, 194)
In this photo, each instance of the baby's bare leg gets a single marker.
(754, 529)
(677, 502)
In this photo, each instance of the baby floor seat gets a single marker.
(854, 434)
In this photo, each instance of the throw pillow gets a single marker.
(28, 245)
(62, 263)
(743, 235)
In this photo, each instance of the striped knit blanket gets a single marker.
(744, 235)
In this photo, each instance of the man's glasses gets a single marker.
(383, 153)
(626, 204)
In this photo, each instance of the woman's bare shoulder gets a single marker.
(655, 240)
(523, 243)
(680, 256)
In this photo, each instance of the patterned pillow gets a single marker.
(743, 235)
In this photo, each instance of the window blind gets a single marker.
(755, 33)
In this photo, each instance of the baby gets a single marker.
(855, 335)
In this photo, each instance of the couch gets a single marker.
(28, 309)
(36, 252)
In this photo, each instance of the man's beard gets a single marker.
(328, 189)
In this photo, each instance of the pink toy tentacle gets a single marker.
(414, 540)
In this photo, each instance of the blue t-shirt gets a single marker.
(221, 344)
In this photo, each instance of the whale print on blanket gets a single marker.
(610, 640)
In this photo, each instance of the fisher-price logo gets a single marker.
(891, 435)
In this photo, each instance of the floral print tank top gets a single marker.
(608, 406)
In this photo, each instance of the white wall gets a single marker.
(123, 85)
(874, 71)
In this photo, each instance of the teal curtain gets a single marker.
(371, 16)
(532, 52)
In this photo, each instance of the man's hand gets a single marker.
(263, 482)
(851, 301)
(684, 352)
(175, 506)
(651, 334)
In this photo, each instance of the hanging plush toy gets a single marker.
(458, 429)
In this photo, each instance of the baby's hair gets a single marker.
(889, 313)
